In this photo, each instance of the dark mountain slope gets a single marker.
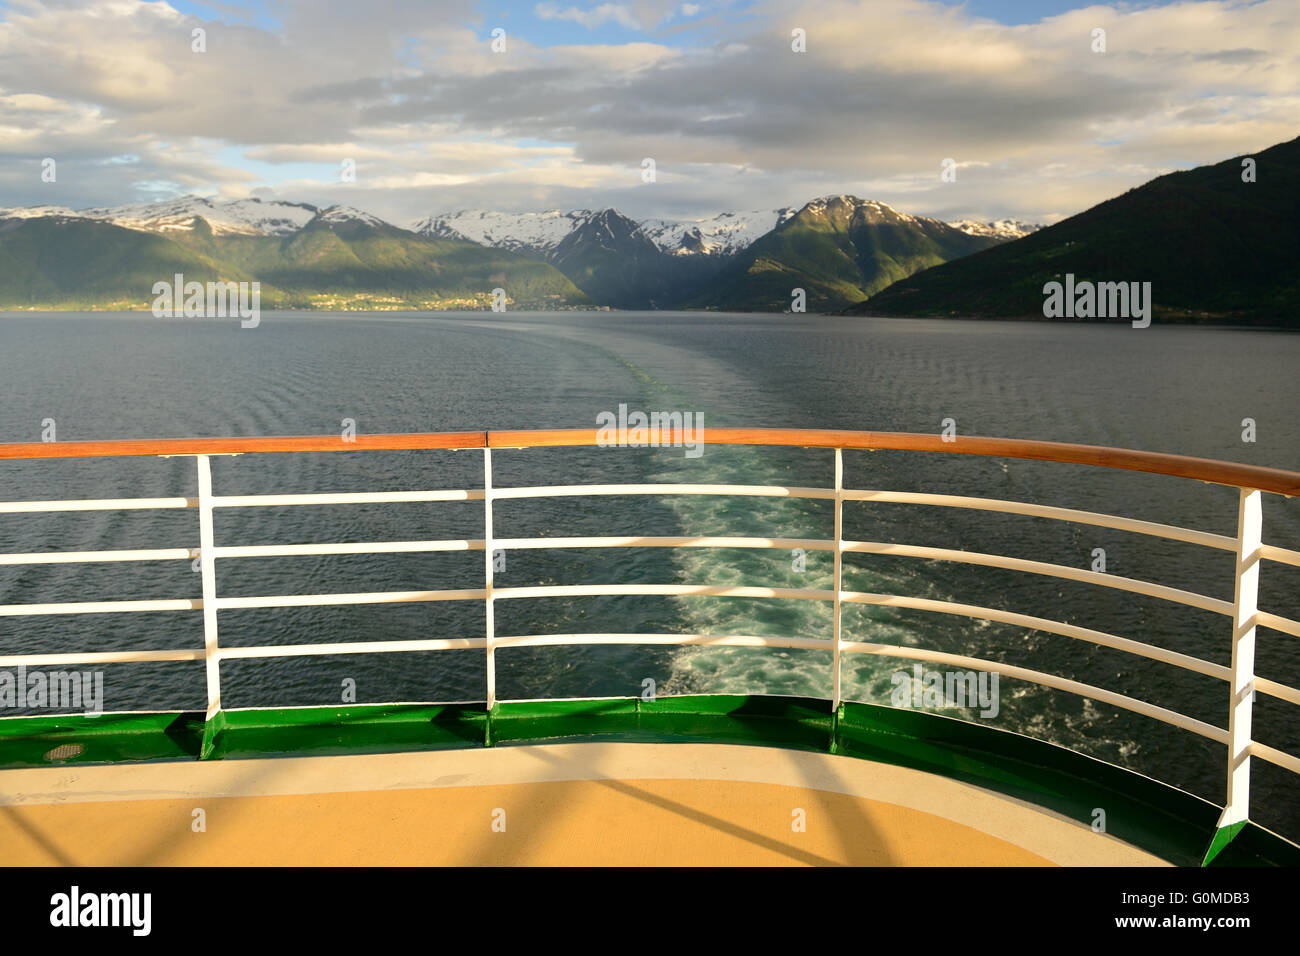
(1213, 247)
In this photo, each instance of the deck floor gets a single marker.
(563, 804)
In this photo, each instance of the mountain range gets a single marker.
(1218, 243)
(838, 249)
(339, 258)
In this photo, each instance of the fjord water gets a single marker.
(1164, 388)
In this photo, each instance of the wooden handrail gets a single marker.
(1275, 480)
(242, 446)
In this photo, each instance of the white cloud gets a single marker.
(595, 17)
(1038, 123)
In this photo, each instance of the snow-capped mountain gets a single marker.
(538, 232)
(870, 207)
(542, 232)
(335, 215)
(1005, 229)
(611, 257)
(866, 210)
(235, 217)
(722, 235)
(36, 212)
(853, 209)
(1001, 228)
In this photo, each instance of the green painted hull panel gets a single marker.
(1168, 822)
(792, 723)
(383, 728)
(108, 738)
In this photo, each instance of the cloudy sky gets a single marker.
(1040, 125)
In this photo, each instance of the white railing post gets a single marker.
(1245, 597)
(489, 625)
(208, 567)
(839, 567)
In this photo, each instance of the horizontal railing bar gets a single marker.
(105, 504)
(723, 640)
(562, 700)
(90, 557)
(98, 657)
(361, 547)
(243, 446)
(1275, 480)
(628, 697)
(1185, 661)
(1280, 691)
(662, 488)
(1134, 585)
(1282, 555)
(358, 498)
(1274, 756)
(1218, 735)
(352, 647)
(716, 590)
(1190, 598)
(386, 703)
(1118, 522)
(634, 541)
(1278, 623)
(99, 607)
(365, 597)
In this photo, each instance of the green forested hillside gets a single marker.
(838, 250)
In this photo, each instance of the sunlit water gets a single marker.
(1177, 389)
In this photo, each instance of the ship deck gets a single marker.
(677, 781)
(561, 804)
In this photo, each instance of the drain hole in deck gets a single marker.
(64, 752)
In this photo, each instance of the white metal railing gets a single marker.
(1247, 545)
